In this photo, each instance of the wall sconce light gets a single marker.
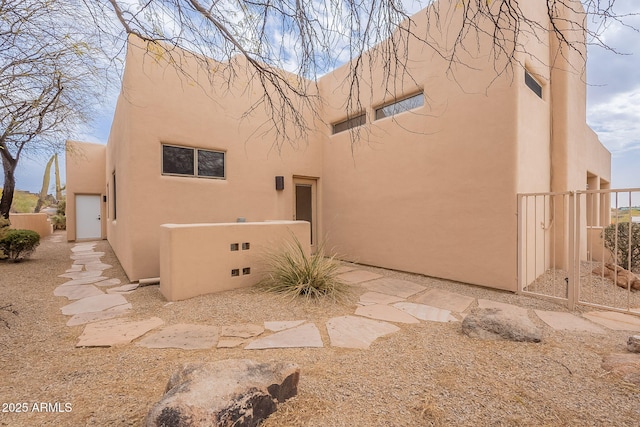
(279, 183)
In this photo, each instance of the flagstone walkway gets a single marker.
(386, 304)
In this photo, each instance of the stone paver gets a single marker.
(370, 298)
(108, 282)
(567, 322)
(357, 276)
(95, 303)
(86, 262)
(87, 255)
(97, 316)
(184, 336)
(124, 289)
(74, 292)
(387, 313)
(444, 299)
(97, 266)
(384, 301)
(392, 286)
(615, 321)
(83, 247)
(77, 275)
(357, 332)
(229, 342)
(114, 332)
(345, 268)
(242, 331)
(306, 335)
(281, 326)
(425, 312)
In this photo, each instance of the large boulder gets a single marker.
(633, 344)
(623, 278)
(236, 392)
(498, 323)
(626, 366)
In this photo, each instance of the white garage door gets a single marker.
(88, 224)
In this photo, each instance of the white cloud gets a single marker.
(617, 121)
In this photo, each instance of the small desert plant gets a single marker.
(59, 222)
(19, 244)
(616, 239)
(62, 207)
(291, 272)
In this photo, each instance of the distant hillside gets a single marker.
(23, 201)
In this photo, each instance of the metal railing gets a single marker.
(572, 245)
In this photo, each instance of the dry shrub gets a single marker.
(293, 273)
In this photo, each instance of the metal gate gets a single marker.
(580, 247)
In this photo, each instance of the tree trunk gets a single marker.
(9, 167)
(45, 185)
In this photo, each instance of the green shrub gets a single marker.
(59, 222)
(293, 273)
(620, 249)
(19, 244)
(4, 227)
(62, 207)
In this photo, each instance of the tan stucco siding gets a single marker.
(162, 109)
(84, 176)
(425, 202)
(598, 158)
(431, 190)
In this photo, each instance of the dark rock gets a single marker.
(497, 323)
(633, 344)
(239, 393)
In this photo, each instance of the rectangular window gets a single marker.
(532, 84)
(192, 162)
(400, 106)
(350, 123)
(211, 163)
(114, 198)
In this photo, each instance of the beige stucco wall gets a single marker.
(431, 191)
(157, 106)
(85, 166)
(38, 222)
(196, 259)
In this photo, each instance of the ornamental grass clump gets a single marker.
(293, 273)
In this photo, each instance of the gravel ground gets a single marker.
(594, 289)
(426, 374)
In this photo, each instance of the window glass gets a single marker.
(350, 123)
(532, 84)
(211, 163)
(400, 106)
(177, 160)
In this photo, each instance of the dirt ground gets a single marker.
(426, 374)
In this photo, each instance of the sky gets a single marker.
(613, 107)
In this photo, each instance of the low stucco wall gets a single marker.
(199, 259)
(595, 245)
(38, 222)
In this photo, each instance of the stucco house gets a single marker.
(428, 183)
